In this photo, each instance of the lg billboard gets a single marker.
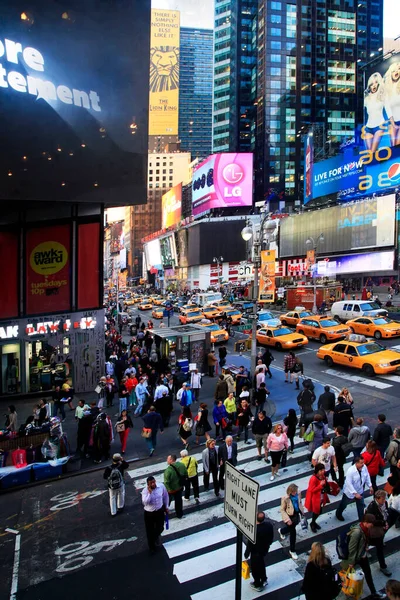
(223, 181)
(74, 100)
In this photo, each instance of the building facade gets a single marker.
(235, 69)
(164, 171)
(311, 55)
(195, 93)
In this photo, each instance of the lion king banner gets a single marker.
(164, 72)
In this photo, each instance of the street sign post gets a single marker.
(168, 311)
(241, 507)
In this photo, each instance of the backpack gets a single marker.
(342, 543)
(115, 479)
(188, 424)
(308, 384)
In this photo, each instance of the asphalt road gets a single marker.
(71, 547)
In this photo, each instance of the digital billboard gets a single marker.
(153, 254)
(382, 104)
(182, 248)
(74, 100)
(338, 174)
(116, 237)
(48, 269)
(223, 181)
(172, 207)
(308, 166)
(352, 226)
(164, 72)
(357, 263)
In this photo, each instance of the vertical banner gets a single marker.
(267, 276)
(122, 281)
(9, 260)
(308, 166)
(48, 269)
(310, 261)
(88, 265)
(164, 72)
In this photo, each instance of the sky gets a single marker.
(194, 13)
(391, 21)
(200, 13)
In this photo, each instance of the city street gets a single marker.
(68, 539)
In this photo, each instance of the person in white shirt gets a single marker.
(160, 391)
(325, 455)
(357, 478)
(155, 501)
(260, 376)
(195, 382)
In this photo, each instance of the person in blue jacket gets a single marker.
(220, 417)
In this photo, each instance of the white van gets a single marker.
(350, 309)
(206, 298)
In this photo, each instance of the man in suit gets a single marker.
(227, 453)
(258, 551)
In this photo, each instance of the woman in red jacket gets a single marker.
(316, 496)
(373, 461)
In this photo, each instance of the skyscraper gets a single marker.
(235, 70)
(312, 54)
(282, 67)
(195, 94)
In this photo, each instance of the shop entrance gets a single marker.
(10, 369)
(48, 366)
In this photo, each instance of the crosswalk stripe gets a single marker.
(202, 549)
(395, 378)
(357, 379)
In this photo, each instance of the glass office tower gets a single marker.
(195, 93)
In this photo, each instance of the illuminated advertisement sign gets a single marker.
(74, 113)
(223, 181)
(357, 263)
(267, 276)
(334, 175)
(351, 226)
(172, 207)
(153, 254)
(48, 262)
(308, 167)
(382, 104)
(164, 72)
(116, 238)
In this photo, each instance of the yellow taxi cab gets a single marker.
(322, 328)
(157, 313)
(129, 302)
(235, 315)
(280, 337)
(217, 334)
(379, 327)
(372, 358)
(191, 316)
(145, 304)
(222, 305)
(211, 312)
(188, 307)
(293, 316)
(157, 300)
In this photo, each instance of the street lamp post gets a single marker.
(247, 233)
(313, 245)
(219, 261)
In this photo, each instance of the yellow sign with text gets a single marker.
(267, 276)
(164, 72)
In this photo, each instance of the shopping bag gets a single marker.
(352, 583)
(309, 437)
(304, 523)
(284, 459)
(146, 432)
(334, 489)
(245, 569)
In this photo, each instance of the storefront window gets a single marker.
(10, 369)
(48, 366)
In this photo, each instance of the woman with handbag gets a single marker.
(373, 461)
(122, 427)
(291, 509)
(380, 509)
(185, 422)
(202, 424)
(316, 495)
(320, 575)
(277, 443)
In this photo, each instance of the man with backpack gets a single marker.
(175, 476)
(116, 484)
(352, 546)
